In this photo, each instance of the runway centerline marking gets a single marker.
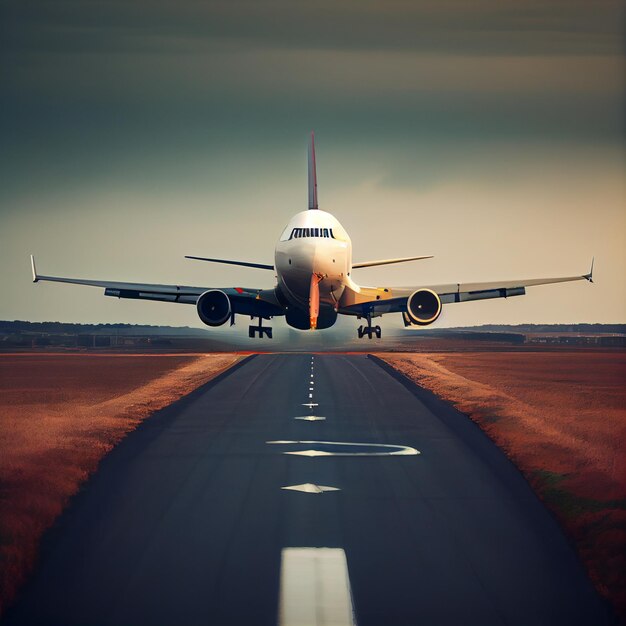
(310, 418)
(315, 588)
(390, 449)
(310, 404)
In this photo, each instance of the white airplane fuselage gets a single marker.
(313, 243)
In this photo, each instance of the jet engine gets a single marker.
(213, 307)
(423, 307)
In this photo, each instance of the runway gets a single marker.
(196, 519)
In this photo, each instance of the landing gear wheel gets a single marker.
(262, 330)
(369, 330)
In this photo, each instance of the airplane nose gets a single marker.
(328, 261)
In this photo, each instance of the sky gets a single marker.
(489, 134)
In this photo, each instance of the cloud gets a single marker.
(452, 26)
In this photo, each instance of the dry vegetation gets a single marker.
(561, 417)
(59, 415)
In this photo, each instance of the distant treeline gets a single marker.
(19, 326)
(548, 328)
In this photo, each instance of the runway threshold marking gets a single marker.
(394, 450)
(315, 588)
(310, 404)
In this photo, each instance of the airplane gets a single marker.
(313, 269)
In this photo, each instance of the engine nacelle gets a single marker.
(423, 307)
(213, 307)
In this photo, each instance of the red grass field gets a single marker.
(561, 417)
(59, 415)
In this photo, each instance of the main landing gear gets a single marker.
(369, 330)
(262, 330)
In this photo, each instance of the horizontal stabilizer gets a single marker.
(389, 261)
(260, 266)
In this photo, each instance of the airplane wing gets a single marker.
(389, 261)
(261, 266)
(246, 301)
(394, 299)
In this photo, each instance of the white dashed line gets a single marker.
(315, 588)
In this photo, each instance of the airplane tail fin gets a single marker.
(312, 175)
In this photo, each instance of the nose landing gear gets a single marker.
(262, 330)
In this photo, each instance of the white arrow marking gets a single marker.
(395, 450)
(310, 488)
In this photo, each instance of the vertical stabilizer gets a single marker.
(312, 175)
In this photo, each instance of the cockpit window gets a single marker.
(312, 232)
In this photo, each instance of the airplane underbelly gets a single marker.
(296, 285)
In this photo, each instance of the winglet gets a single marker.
(589, 276)
(33, 268)
(312, 175)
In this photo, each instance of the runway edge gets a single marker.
(433, 401)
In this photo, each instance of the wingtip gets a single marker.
(33, 268)
(589, 276)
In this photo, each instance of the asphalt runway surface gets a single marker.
(187, 520)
